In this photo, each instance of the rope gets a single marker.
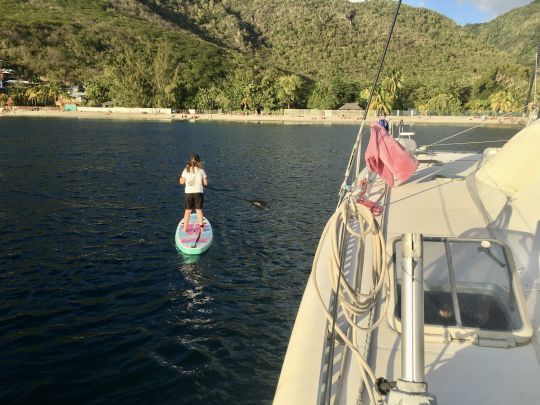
(351, 160)
(470, 143)
(469, 129)
(353, 303)
(452, 136)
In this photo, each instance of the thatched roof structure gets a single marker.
(350, 106)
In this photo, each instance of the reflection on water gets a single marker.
(188, 259)
(97, 303)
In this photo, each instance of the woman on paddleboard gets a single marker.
(194, 177)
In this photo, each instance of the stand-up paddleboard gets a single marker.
(196, 240)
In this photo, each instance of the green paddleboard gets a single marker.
(196, 240)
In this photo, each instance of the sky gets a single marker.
(468, 12)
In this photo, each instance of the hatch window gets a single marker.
(468, 283)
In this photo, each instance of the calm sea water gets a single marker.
(96, 304)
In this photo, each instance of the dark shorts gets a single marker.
(193, 201)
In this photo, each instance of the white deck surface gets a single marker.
(456, 372)
(442, 206)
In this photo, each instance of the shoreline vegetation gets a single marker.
(255, 118)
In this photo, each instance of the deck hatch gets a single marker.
(470, 290)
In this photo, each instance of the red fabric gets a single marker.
(386, 157)
(375, 208)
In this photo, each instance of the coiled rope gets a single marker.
(354, 304)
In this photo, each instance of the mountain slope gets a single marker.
(72, 41)
(517, 31)
(173, 52)
(322, 39)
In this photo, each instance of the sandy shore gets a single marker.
(57, 113)
(357, 121)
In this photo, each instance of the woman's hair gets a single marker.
(194, 161)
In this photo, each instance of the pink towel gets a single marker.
(386, 157)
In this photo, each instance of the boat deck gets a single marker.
(454, 369)
(440, 200)
(437, 192)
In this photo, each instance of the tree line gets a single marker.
(157, 77)
(254, 56)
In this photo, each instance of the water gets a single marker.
(469, 138)
(97, 306)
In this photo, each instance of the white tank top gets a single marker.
(194, 180)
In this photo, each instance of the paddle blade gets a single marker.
(260, 204)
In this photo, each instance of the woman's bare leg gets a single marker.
(186, 219)
(199, 216)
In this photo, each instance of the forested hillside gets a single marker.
(70, 39)
(325, 38)
(233, 54)
(87, 42)
(517, 31)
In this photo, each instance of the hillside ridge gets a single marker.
(234, 54)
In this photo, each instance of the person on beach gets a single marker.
(194, 177)
(383, 121)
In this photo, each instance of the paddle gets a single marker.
(257, 203)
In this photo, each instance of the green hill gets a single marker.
(73, 41)
(517, 32)
(235, 54)
(322, 39)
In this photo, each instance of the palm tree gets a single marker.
(288, 87)
(477, 105)
(502, 101)
(381, 100)
(32, 94)
(56, 93)
(18, 95)
(393, 83)
(42, 94)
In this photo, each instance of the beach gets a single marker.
(50, 112)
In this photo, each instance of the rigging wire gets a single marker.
(451, 136)
(357, 145)
(466, 130)
(471, 142)
(337, 283)
(532, 83)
